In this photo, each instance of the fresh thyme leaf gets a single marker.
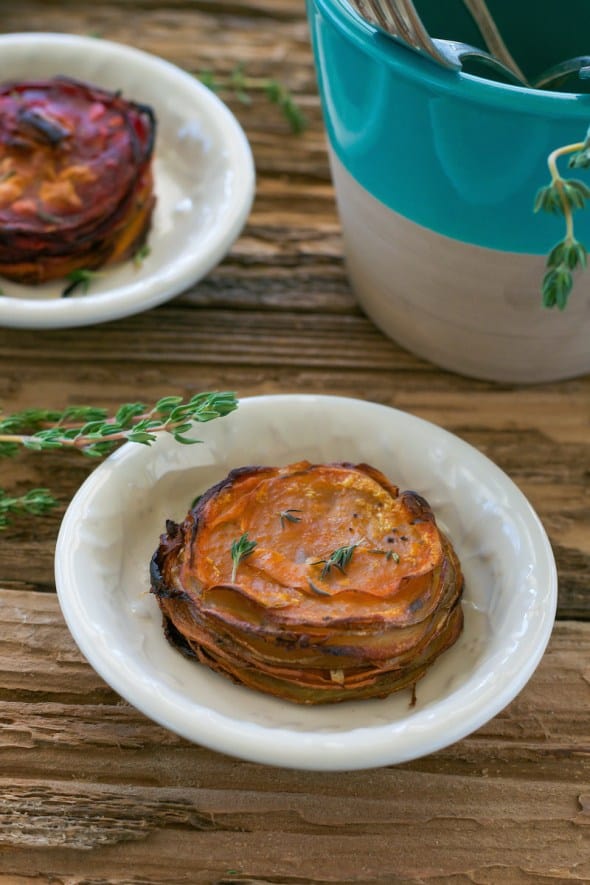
(209, 80)
(575, 193)
(570, 253)
(239, 550)
(142, 253)
(289, 515)
(557, 285)
(239, 84)
(580, 160)
(80, 277)
(167, 404)
(126, 413)
(548, 199)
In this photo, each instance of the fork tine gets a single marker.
(378, 15)
(390, 19)
(407, 23)
(400, 19)
(421, 35)
(363, 7)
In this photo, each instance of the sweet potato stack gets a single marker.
(315, 583)
(76, 188)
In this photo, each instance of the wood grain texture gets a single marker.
(93, 792)
(82, 771)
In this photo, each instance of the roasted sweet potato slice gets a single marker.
(314, 582)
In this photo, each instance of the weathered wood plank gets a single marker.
(65, 802)
(538, 830)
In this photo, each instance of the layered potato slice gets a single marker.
(76, 183)
(313, 582)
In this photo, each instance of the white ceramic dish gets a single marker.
(204, 180)
(112, 527)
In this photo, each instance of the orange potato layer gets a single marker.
(314, 582)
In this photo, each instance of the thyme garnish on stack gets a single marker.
(342, 556)
(562, 196)
(80, 278)
(339, 559)
(91, 431)
(240, 549)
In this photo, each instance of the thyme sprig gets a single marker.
(562, 196)
(91, 431)
(339, 559)
(35, 502)
(240, 86)
(94, 433)
(240, 549)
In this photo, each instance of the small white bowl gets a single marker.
(113, 525)
(203, 171)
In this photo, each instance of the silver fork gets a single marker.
(400, 20)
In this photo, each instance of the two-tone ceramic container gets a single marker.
(436, 174)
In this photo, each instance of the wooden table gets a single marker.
(90, 790)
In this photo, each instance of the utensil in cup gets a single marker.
(400, 20)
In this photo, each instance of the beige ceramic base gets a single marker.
(472, 310)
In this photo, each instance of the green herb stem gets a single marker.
(558, 181)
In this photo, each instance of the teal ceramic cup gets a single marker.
(436, 173)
